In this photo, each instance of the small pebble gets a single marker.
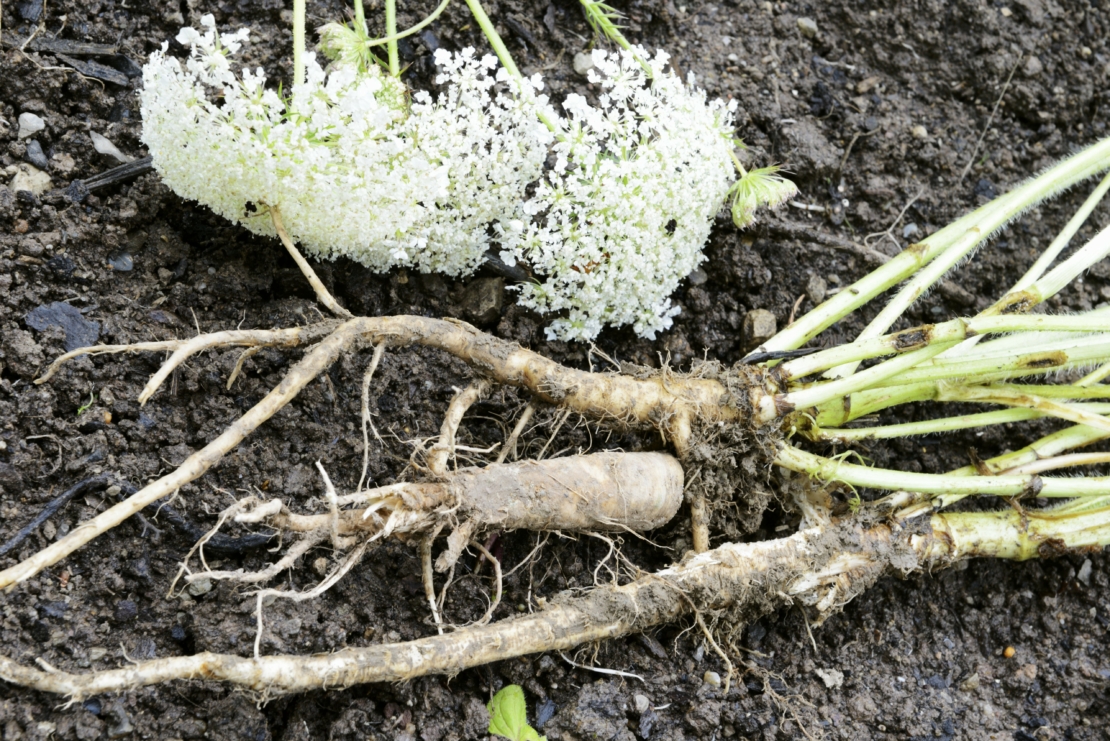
(868, 84)
(1084, 575)
(919, 132)
(320, 566)
(106, 147)
(698, 277)
(30, 124)
(808, 27)
(1006, 12)
(121, 262)
(909, 230)
(199, 587)
(733, 58)
(642, 703)
(759, 325)
(126, 610)
(583, 63)
(1032, 67)
(816, 288)
(36, 156)
(712, 678)
(971, 683)
(31, 179)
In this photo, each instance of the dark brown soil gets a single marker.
(920, 658)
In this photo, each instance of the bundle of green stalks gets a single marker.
(726, 432)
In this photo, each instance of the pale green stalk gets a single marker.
(360, 19)
(828, 469)
(943, 424)
(840, 411)
(493, 37)
(954, 330)
(985, 368)
(502, 53)
(1007, 397)
(872, 377)
(1084, 523)
(413, 29)
(298, 42)
(391, 31)
(1095, 376)
(1062, 461)
(1037, 269)
(954, 241)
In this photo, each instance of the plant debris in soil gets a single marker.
(884, 115)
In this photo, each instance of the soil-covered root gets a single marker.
(821, 567)
(672, 404)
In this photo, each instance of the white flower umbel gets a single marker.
(626, 211)
(354, 168)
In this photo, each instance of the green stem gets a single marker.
(493, 37)
(1010, 398)
(414, 29)
(954, 241)
(1021, 535)
(836, 412)
(854, 474)
(298, 42)
(360, 19)
(503, 54)
(1048, 357)
(944, 424)
(1063, 238)
(954, 330)
(391, 31)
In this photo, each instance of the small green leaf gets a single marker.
(508, 715)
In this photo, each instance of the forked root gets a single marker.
(668, 404)
(747, 579)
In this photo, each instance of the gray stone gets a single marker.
(808, 27)
(80, 332)
(36, 156)
(1032, 67)
(642, 704)
(482, 300)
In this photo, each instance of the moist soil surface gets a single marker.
(886, 115)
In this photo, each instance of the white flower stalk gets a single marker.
(626, 211)
(354, 168)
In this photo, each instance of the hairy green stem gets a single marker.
(954, 241)
(954, 330)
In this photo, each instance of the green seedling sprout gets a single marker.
(87, 405)
(508, 715)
